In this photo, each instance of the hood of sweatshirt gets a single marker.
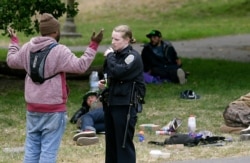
(40, 42)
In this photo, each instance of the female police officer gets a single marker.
(126, 89)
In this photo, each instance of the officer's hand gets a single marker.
(109, 50)
(101, 84)
(97, 38)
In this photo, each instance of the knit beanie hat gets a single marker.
(48, 24)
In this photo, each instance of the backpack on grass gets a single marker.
(184, 139)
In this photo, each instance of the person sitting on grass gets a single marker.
(160, 61)
(90, 120)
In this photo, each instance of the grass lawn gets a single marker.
(217, 82)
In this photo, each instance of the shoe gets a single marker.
(87, 141)
(84, 134)
(189, 94)
(245, 131)
(181, 76)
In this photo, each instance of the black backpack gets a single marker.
(37, 62)
(185, 139)
(188, 140)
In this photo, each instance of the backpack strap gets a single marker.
(50, 47)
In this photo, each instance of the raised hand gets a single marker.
(97, 38)
(12, 32)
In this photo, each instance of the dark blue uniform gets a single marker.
(123, 69)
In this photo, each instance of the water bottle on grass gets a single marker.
(191, 125)
(93, 81)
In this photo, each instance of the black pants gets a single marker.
(169, 73)
(115, 123)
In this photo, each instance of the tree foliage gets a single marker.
(22, 15)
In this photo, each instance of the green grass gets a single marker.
(218, 82)
(3, 53)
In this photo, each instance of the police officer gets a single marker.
(126, 88)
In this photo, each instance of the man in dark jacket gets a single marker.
(160, 59)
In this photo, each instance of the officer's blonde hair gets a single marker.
(127, 33)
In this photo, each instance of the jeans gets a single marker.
(93, 120)
(44, 133)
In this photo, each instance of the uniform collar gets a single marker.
(125, 50)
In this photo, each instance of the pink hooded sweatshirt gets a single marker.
(52, 95)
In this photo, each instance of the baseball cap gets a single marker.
(154, 33)
(89, 93)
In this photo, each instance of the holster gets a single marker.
(138, 101)
(104, 98)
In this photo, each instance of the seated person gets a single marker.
(91, 121)
(160, 59)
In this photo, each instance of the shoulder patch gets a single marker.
(130, 58)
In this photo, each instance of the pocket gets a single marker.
(55, 120)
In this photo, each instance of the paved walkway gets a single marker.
(232, 47)
(235, 47)
(245, 159)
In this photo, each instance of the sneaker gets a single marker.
(87, 141)
(189, 94)
(181, 76)
(245, 131)
(84, 134)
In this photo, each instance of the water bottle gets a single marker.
(191, 124)
(93, 81)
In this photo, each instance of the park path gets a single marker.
(232, 47)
